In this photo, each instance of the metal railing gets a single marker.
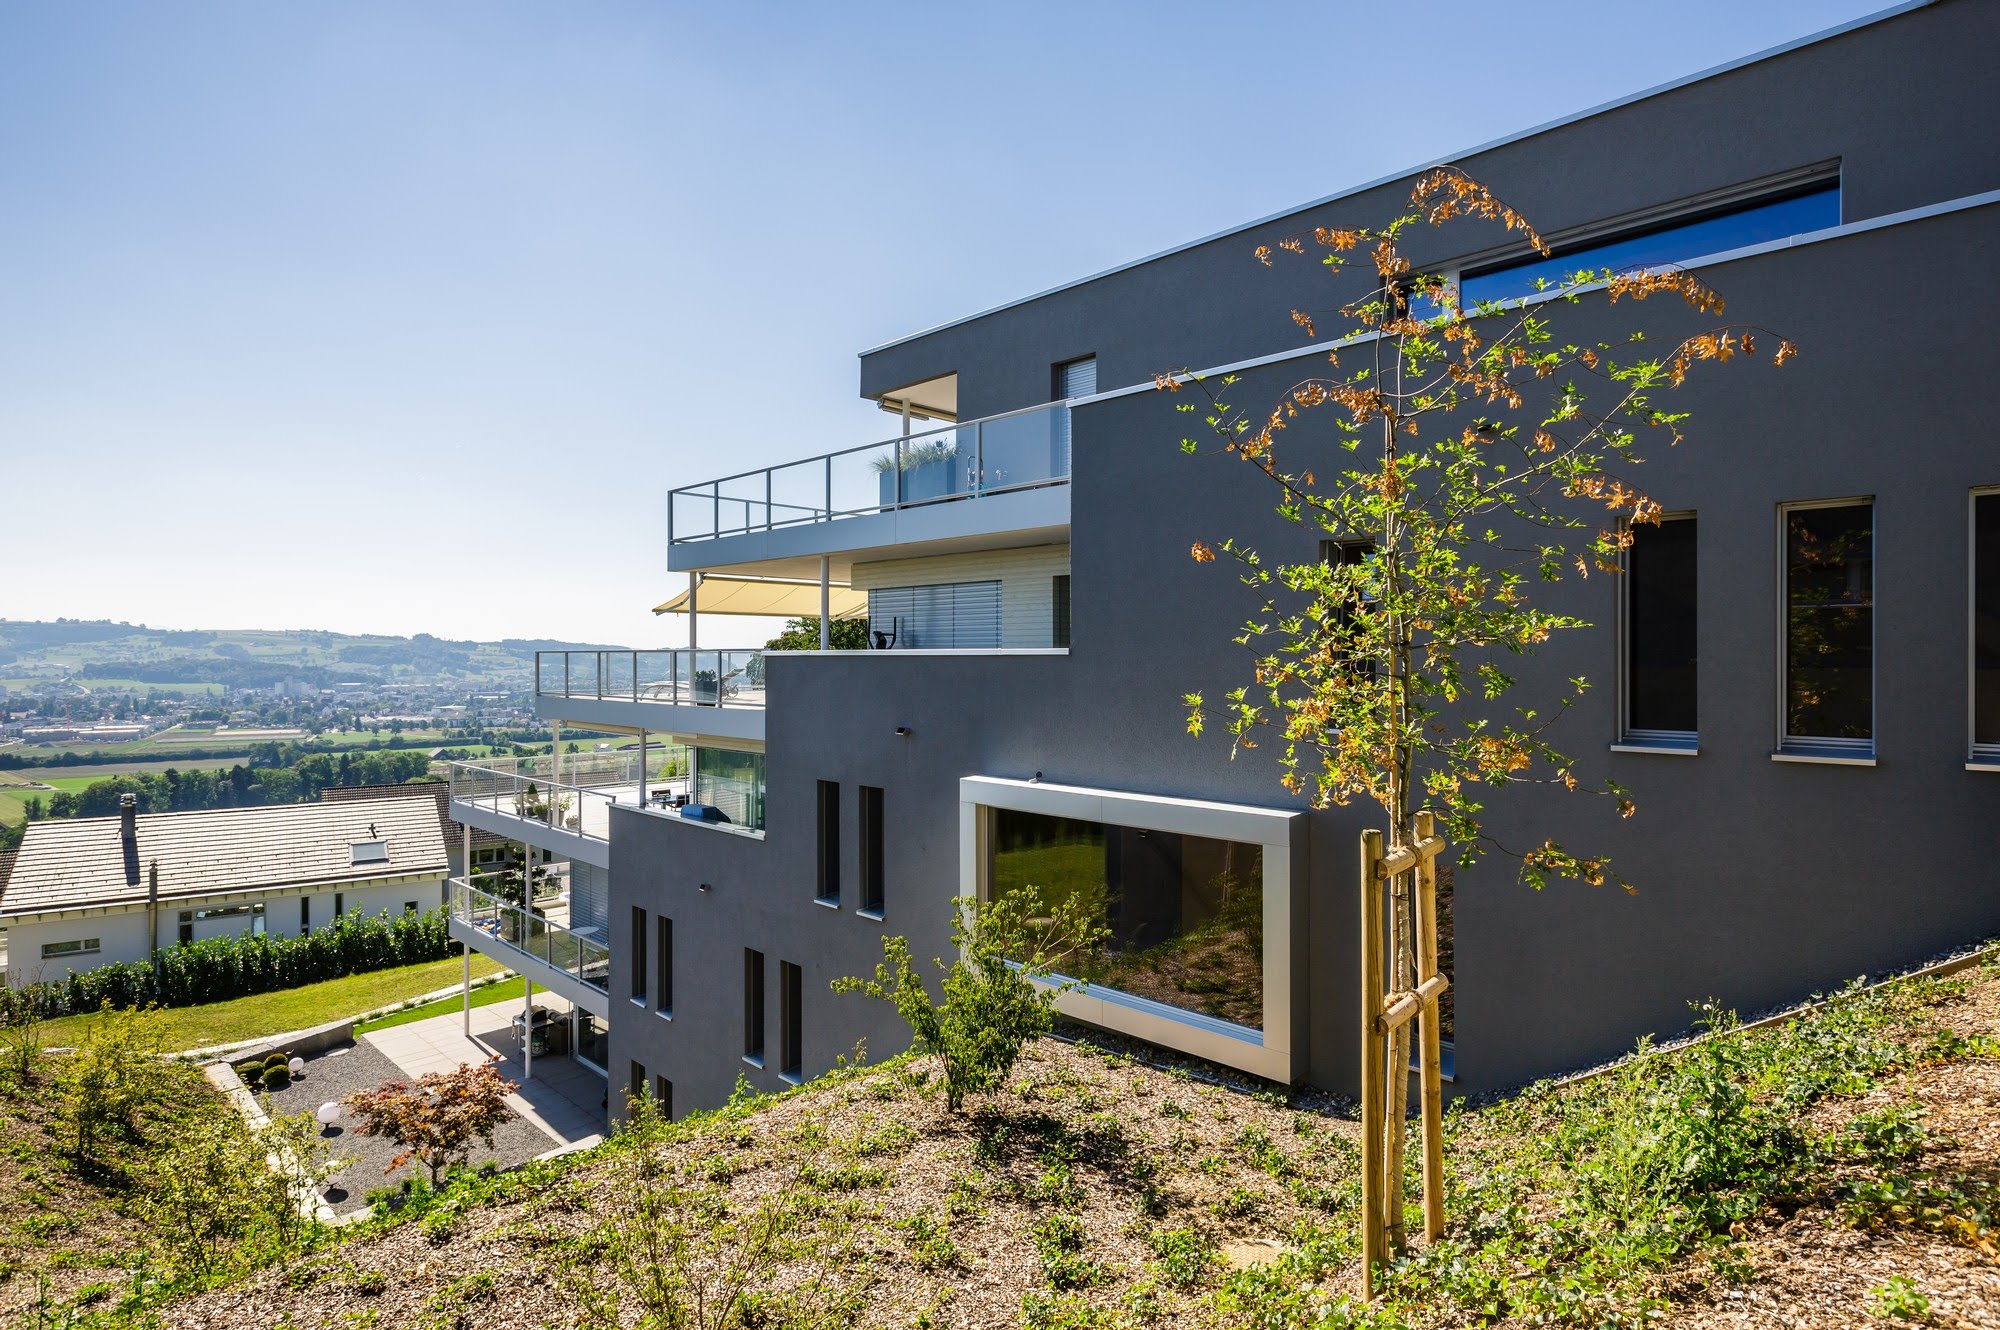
(1018, 450)
(533, 934)
(575, 796)
(674, 676)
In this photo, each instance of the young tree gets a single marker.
(112, 1072)
(436, 1117)
(1460, 454)
(998, 997)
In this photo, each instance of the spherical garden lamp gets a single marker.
(329, 1113)
(297, 1065)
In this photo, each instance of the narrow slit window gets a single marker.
(1986, 627)
(1059, 611)
(791, 1015)
(874, 891)
(1829, 629)
(753, 1006)
(663, 1098)
(829, 842)
(1660, 656)
(663, 966)
(638, 957)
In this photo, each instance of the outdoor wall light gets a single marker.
(703, 886)
(902, 731)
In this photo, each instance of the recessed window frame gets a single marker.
(1978, 756)
(663, 963)
(1277, 1052)
(826, 891)
(1834, 750)
(641, 980)
(873, 872)
(753, 1007)
(1631, 739)
(791, 1022)
(80, 946)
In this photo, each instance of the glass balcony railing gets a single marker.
(1020, 450)
(671, 676)
(577, 952)
(574, 792)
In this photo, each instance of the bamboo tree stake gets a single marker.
(1431, 1032)
(1374, 1250)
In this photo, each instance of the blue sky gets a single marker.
(406, 317)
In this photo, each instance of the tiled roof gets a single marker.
(436, 789)
(71, 863)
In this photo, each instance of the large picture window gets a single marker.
(732, 781)
(1829, 628)
(1660, 633)
(1183, 914)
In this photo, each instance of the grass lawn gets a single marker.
(293, 1008)
(14, 805)
(503, 991)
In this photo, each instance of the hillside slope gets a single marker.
(1778, 1177)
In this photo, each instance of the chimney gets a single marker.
(128, 835)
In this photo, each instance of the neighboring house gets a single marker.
(1023, 543)
(80, 891)
(490, 852)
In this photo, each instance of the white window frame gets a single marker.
(82, 946)
(1673, 743)
(1828, 751)
(1978, 756)
(1277, 1052)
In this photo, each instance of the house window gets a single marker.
(1687, 237)
(1183, 915)
(1828, 633)
(305, 915)
(409, 907)
(639, 958)
(253, 914)
(1072, 379)
(873, 894)
(339, 904)
(1986, 627)
(83, 946)
(829, 843)
(635, 1080)
(663, 997)
(753, 1007)
(791, 1013)
(369, 852)
(663, 1098)
(1351, 554)
(1059, 628)
(961, 616)
(732, 781)
(1659, 643)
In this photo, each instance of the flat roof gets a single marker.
(1713, 71)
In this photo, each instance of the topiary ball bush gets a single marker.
(278, 1077)
(276, 1060)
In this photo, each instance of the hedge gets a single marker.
(217, 969)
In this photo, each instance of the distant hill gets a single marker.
(32, 650)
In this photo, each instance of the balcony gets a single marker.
(705, 693)
(572, 962)
(565, 808)
(957, 485)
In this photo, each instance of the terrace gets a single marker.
(684, 691)
(953, 485)
(563, 802)
(574, 963)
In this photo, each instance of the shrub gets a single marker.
(998, 998)
(278, 1077)
(437, 1117)
(112, 1073)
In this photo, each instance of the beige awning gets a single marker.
(773, 597)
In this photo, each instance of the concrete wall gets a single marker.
(1026, 576)
(1757, 882)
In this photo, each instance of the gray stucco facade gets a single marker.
(1758, 881)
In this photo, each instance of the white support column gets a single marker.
(468, 991)
(555, 757)
(642, 768)
(694, 616)
(465, 862)
(527, 1027)
(825, 597)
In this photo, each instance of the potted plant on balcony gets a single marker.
(929, 471)
(707, 688)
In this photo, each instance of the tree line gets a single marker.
(175, 791)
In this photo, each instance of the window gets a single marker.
(1659, 642)
(663, 1098)
(952, 615)
(732, 781)
(753, 1007)
(663, 996)
(305, 915)
(409, 907)
(829, 843)
(253, 913)
(339, 904)
(635, 1080)
(1671, 242)
(185, 934)
(638, 957)
(1351, 554)
(1184, 914)
(791, 1004)
(1059, 629)
(369, 851)
(83, 946)
(1072, 379)
(1985, 633)
(1828, 633)
(872, 876)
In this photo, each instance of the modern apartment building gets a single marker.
(1798, 678)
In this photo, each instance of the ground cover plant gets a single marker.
(1836, 1169)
